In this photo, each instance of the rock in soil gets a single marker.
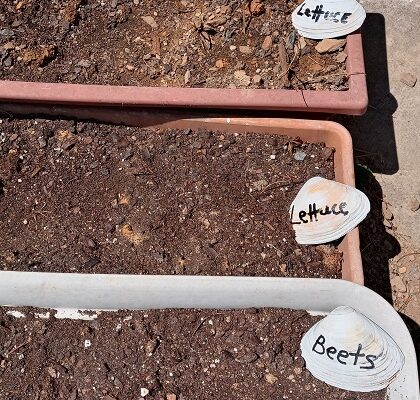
(267, 43)
(414, 204)
(341, 57)
(329, 45)
(408, 79)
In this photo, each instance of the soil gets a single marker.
(187, 43)
(161, 354)
(91, 198)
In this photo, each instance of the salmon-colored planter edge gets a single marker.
(312, 131)
(353, 101)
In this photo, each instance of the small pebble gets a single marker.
(270, 378)
(267, 43)
(42, 142)
(329, 45)
(144, 392)
(232, 47)
(341, 57)
(387, 213)
(187, 76)
(150, 21)
(302, 42)
(408, 79)
(245, 49)
(299, 155)
(414, 204)
(257, 79)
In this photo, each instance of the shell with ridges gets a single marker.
(347, 331)
(329, 223)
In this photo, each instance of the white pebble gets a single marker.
(144, 392)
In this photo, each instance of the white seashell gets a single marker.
(324, 211)
(349, 351)
(323, 19)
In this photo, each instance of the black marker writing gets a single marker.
(320, 348)
(320, 342)
(313, 212)
(357, 354)
(371, 358)
(342, 354)
(318, 11)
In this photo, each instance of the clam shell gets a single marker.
(324, 193)
(329, 23)
(349, 331)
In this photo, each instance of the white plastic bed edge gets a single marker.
(111, 292)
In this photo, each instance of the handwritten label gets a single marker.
(318, 12)
(343, 356)
(313, 212)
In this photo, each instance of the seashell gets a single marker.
(349, 351)
(325, 210)
(323, 19)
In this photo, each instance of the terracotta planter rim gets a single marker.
(353, 101)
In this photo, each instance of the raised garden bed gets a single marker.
(242, 55)
(106, 292)
(160, 354)
(111, 199)
(116, 199)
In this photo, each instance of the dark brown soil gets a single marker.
(91, 198)
(190, 43)
(168, 354)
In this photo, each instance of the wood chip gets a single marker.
(329, 45)
(150, 21)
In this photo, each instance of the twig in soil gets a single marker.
(186, 11)
(200, 325)
(204, 320)
(245, 25)
(288, 68)
(407, 255)
(317, 62)
(401, 308)
(324, 78)
(7, 354)
(400, 236)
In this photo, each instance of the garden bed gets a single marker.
(91, 198)
(160, 354)
(131, 57)
(237, 44)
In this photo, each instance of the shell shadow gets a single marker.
(377, 245)
(373, 133)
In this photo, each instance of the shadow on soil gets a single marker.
(373, 133)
